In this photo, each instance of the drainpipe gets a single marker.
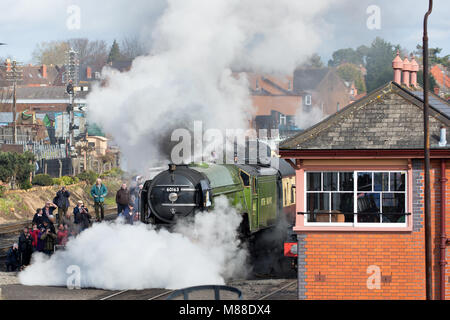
(427, 209)
(444, 239)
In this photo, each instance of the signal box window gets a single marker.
(356, 197)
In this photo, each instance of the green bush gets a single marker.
(113, 173)
(2, 191)
(58, 182)
(26, 185)
(88, 176)
(68, 180)
(42, 180)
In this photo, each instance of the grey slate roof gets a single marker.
(389, 118)
(53, 93)
(308, 79)
(436, 102)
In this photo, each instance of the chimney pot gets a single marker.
(397, 65)
(414, 70)
(44, 71)
(406, 71)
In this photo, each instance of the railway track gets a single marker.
(277, 293)
(147, 294)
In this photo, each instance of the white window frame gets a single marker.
(308, 100)
(355, 223)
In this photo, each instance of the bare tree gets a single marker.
(132, 47)
(93, 53)
(53, 52)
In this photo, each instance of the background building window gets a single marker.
(308, 100)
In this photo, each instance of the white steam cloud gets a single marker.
(306, 119)
(117, 256)
(188, 75)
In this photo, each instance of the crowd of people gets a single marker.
(44, 237)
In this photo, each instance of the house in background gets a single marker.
(275, 104)
(441, 75)
(322, 88)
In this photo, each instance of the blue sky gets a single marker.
(29, 22)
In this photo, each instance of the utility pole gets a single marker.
(14, 74)
(71, 80)
(427, 213)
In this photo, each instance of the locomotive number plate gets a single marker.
(172, 189)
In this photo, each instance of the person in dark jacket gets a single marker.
(47, 211)
(82, 218)
(25, 247)
(12, 258)
(62, 202)
(129, 214)
(49, 240)
(122, 198)
(39, 218)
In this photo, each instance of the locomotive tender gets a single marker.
(262, 194)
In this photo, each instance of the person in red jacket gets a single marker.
(34, 235)
(62, 236)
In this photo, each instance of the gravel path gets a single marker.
(8, 278)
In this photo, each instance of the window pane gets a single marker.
(368, 203)
(245, 179)
(398, 181)
(381, 181)
(330, 181)
(364, 181)
(342, 203)
(345, 181)
(317, 203)
(313, 181)
(393, 203)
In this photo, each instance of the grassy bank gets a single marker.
(20, 205)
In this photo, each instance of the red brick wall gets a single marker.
(343, 258)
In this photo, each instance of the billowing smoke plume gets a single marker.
(188, 75)
(117, 256)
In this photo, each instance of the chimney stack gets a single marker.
(406, 71)
(44, 71)
(8, 65)
(397, 65)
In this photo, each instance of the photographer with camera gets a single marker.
(82, 218)
(62, 202)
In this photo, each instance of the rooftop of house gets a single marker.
(39, 93)
(390, 117)
(307, 79)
